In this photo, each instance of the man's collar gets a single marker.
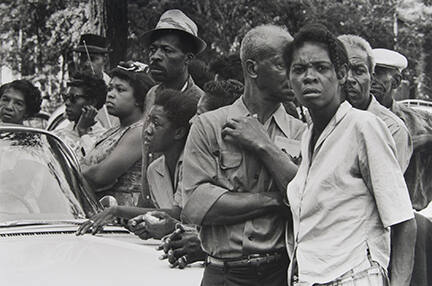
(239, 108)
(372, 104)
(186, 85)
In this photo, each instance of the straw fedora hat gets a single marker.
(176, 20)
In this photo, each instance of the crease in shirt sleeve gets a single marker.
(385, 177)
(199, 171)
(200, 202)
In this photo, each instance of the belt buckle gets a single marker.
(259, 258)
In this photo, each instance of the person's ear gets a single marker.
(189, 57)
(396, 80)
(251, 68)
(342, 74)
(180, 133)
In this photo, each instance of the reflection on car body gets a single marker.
(43, 199)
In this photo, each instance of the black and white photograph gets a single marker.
(216, 142)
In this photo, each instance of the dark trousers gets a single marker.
(270, 274)
(422, 272)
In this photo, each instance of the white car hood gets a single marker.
(65, 259)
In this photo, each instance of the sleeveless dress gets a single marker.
(127, 187)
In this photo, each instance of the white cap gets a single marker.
(390, 59)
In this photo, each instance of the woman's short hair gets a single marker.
(318, 33)
(93, 87)
(180, 108)
(222, 92)
(32, 95)
(140, 81)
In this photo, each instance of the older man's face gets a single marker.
(382, 84)
(272, 73)
(359, 78)
(167, 60)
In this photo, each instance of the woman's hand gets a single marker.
(87, 119)
(97, 222)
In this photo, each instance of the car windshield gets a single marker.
(37, 179)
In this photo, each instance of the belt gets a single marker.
(250, 260)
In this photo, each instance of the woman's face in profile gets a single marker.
(120, 99)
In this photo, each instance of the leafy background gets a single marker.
(37, 35)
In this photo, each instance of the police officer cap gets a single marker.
(390, 59)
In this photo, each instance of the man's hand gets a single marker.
(247, 132)
(161, 226)
(97, 222)
(182, 248)
(87, 119)
(155, 224)
(137, 225)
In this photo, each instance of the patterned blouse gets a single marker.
(127, 187)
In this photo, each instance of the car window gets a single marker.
(37, 181)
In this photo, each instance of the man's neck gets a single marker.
(257, 103)
(177, 83)
(171, 157)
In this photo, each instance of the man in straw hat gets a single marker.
(172, 44)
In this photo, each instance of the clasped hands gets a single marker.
(182, 247)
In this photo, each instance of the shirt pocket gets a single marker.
(229, 160)
(229, 171)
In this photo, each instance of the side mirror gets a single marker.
(108, 201)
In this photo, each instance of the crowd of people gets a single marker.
(298, 167)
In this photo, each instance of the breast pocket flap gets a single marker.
(229, 159)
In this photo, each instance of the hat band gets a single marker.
(171, 24)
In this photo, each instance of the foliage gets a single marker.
(222, 24)
(37, 35)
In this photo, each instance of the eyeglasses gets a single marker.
(72, 97)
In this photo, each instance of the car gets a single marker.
(43, 200)
(418, 104)
(39, 120)
(57, 119)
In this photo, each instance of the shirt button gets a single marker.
(148, 197)
(256, 176)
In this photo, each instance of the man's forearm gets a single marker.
(278, 163)
(233, 208)
(128, 212)
(402, 254)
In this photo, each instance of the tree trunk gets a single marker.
(97, 17)
(116, 29)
